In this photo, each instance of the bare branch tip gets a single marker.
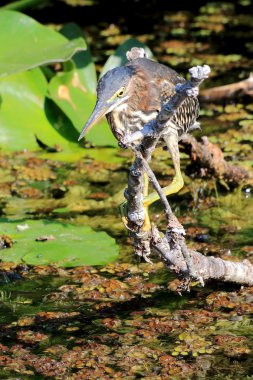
(135, 53)
(200, 72)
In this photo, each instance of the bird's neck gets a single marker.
(142, 106)
(125, 121)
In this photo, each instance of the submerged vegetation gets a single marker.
(112, 316)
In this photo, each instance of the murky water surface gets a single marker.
(125, 320)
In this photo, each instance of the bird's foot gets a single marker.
(149, 130)
(123, 213)
(124, 217)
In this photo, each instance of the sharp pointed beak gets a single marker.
(99, 111)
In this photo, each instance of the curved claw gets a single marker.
(123, 213)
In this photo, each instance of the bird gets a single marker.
(132, 95)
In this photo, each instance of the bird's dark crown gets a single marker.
(112, 81)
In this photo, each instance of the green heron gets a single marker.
(132, 95)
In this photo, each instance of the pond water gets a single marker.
(125, 320)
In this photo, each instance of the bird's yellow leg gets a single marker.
(177, 182)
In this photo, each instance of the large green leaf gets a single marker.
(83, 61)
(72, 245)
(25, 43)
(119, 56)
(68, 92)
(21, 5)
(22, 114)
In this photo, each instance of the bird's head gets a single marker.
(112, 91)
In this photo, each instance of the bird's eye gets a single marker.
(121, 92)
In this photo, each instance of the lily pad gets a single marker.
(25, 44)
(23, 117)
(84, 65)
(43, 242)
(68, 92)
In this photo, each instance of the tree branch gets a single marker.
(208, 156)
(229, 91)
(209, 268)
(171, 248)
